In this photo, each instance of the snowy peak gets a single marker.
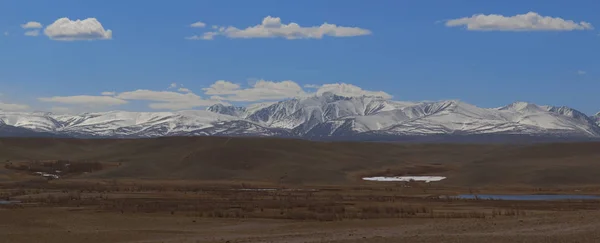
(326, 115)
(570, 112)
(228, 110)
(596, 118)
(522, 107)
(116, 123)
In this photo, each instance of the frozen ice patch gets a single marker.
(275, 189)
(405, 178)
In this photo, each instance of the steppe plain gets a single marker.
(216, 189)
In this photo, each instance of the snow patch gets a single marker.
(405, 178)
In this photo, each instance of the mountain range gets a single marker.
(326, 116)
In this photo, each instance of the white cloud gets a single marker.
(167, 99)
(221, 87)
(530, 21)
(85, 100)
(350, 90)
(269, 90)
(6, 33)
(61, 110)
(205, 36)
(198, 25)
(261, 90)
(32, 33)
(272, 27)
(219, 92)
(312, 86)
(158, 99)
(32, 25)
(581, 72)
(185, 90)
(65, 29)
(13, 107)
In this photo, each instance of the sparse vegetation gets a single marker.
(317, 184)
(249, 201)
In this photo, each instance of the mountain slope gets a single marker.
(326, 115)
(455, 117)
(123, 124)
(12, 131)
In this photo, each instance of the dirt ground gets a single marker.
(65, 225)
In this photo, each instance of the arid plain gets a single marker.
(214, 189)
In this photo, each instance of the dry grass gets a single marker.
(331, 203)
(299, 162)
(202, 179)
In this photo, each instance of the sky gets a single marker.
(70, 56)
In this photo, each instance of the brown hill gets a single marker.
(305, 162)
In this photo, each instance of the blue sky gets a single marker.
(405, 49)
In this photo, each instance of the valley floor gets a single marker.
(205, 189)
(95, 212)
(62, 225)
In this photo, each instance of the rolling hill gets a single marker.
(294, 161)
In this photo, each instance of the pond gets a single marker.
(404, 178)
(527, 197)
(5, 202)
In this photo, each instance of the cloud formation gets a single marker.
(167, 99)
(64, 29)
(109, 93)
(272, 27)
(581, 72)
(220, 92)
(162, 100)
(184, 90)
(205, 36)
(61, 110)
(13, 107)
(32, 33)
(32, 25)
(530, 21)
(198, 25)
(85, 100)
(312, 86)
(350, 90)
(264, 90)
(261, 90)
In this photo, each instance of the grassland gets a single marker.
(205, 189)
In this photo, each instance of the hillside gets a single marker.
(304, 162)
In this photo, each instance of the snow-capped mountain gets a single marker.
(326, 115)
(596, 118)
(134, 124)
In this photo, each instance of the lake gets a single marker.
(527, 197)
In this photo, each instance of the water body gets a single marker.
(405, 178)
(4, 202)
(527, 197)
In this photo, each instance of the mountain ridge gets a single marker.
(320, 116)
